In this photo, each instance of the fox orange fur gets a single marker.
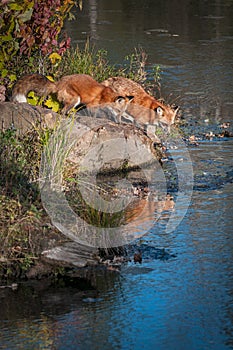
(71, 90)
(144, 107)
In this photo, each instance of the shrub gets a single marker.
(31, 29)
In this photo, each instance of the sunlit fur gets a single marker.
(144, 107)
(71, 90)
(112, 111)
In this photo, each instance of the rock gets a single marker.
(124, 146)
(87, 130)
(23, 117)
(92, 142)
(71, 254)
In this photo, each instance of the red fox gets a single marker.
(144, 107)
(71, 90)
(142, 209)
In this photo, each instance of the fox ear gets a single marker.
(130, 98)
(175, 110)
(123, 99)
(120, 99)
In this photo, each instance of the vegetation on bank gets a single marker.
(30, 31)
(32, 40)
(25, 228)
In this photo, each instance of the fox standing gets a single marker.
(76, 89)
(144, 107)
(71, 90)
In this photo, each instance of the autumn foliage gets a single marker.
(31, 27)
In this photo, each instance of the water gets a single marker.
(181, 298)
(192, 42)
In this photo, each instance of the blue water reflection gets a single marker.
(184, 302)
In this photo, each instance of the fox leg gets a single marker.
(68, 105)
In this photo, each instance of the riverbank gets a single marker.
(26, 230)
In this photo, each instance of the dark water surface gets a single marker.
(181, 296)
(192, 41)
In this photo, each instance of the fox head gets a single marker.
(121, 103)
(165, 113)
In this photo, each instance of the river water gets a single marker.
(181, 295)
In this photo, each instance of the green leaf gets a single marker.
(32, 98)
(6, 37)
(16, 45)
(4, 73)
(53, 104)
(13, 77)
(16, 7)
(17, 28)
(26, 16)
(11, 28)
(71, 16)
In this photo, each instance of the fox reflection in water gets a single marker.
(143, 209)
